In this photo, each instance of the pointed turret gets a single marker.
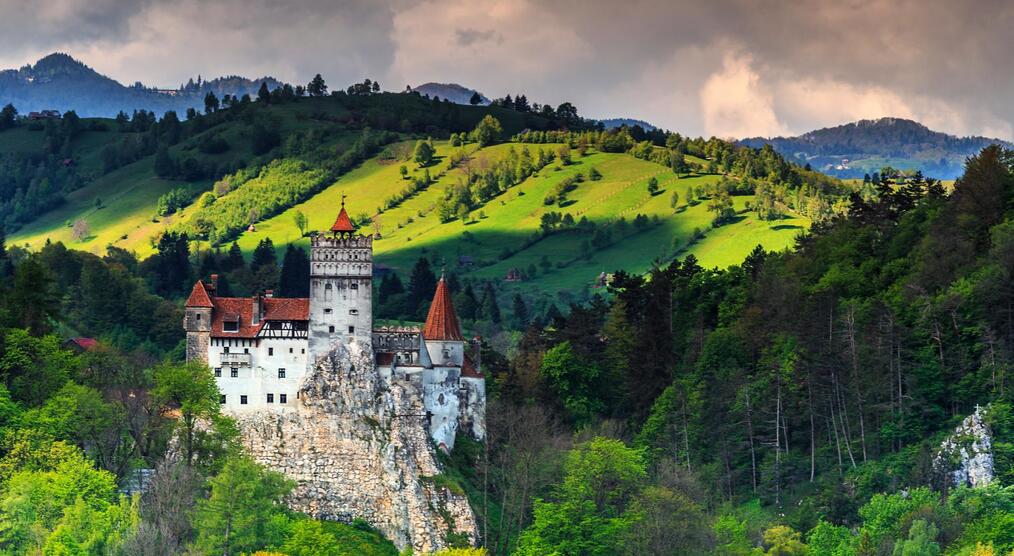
(199, 296)
(343, 224)
(442, 322)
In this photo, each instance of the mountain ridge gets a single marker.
(60, 82)
(853, 149)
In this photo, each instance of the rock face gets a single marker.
(966, 456)
(357, 445)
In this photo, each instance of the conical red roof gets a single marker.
(199, 296)
(441, 322)
(343, 223)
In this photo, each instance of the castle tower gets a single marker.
(197, 320)
(444, 342)
(341, 286)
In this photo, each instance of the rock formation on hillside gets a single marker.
(357, 446)
(966, 456)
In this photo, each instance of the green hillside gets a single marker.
(500, 235)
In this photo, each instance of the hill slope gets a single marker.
(59, 82)
(624, 225)
(857, 148)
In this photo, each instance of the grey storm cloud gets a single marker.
(727, 67)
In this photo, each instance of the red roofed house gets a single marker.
(262, 347)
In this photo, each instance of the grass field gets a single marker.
(499, 236)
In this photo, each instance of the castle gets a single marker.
(262, 347)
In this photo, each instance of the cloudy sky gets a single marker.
(728, 68)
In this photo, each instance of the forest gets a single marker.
(791, 404)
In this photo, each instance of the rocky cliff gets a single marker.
(966, 456)
(357, 446)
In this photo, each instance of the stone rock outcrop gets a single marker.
(966, 456)
(357, 446)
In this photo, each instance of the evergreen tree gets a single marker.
(172, 263)
(316, 87)
(165, 166)
(421, 285)
(263, 94)
(33, 300)
(520, 311)
(490, 307)
(235, 258)
(475, 99)
(390, 285)
(210, 103)
(295, 279)
(263, 255)
(466, 304)
(8, 117)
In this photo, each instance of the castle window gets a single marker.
(302, 350)
(246, 350)
(230, 326)
(290, 350)
(355, 286)
(271, 398)
(327, 310)
(352, 330)
(242, 400)
(234, 372)
(271, 351)
(225, 350)
(330, 329)
(282, 398)
(198, 317)
(218, 371)
(353, 311)
(221, 399)
(281, 373)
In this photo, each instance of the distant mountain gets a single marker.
(453, 92)
(59, 82)
(611, 123)
(851, 150)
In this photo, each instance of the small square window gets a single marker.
(290, 350)
(246, 350)
(198, 315)
(355, 286)
(271, 351)
(230, 326)
(226, 349)
(281, 373)
(352, 330)
(327, 310)
(302, 350)
(330, 329)
(218, 371)
(242, 400)
(234, 372)
(271, 398)
(282, 398)
(221, 399)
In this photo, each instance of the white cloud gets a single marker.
(736, 103)
(496, 46)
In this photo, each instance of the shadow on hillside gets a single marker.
(787, 227)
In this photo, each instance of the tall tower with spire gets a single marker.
(341, 286)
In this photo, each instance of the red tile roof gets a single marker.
(85, 343)
(199, 296)
(343, 223)
(441, 322)
(468, 369)
(241, 308)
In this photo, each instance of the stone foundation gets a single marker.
(357, 446)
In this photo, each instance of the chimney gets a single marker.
(214, 284)
(257, 302)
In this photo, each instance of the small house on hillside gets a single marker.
(513, 275)
(81, 344)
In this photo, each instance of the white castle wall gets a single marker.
(257, 369)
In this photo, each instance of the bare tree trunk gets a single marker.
(854, 356)
(813, 432)
(753, 451)
(778, 429)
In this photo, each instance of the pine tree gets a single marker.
(520, 309)
(476, 99)
(490, 307)
(263, 94)
(466, 304)
(263, 255)
(234, 259)
(421, 285)
(295, 278)
(316, 87)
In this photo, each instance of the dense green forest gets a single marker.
(791, 404)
